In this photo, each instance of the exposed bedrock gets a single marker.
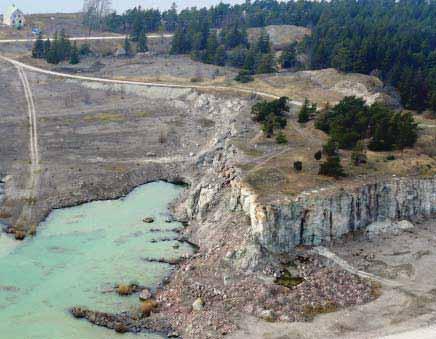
(322, 217)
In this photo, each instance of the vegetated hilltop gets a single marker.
(395, 39)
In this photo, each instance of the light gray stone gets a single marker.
(198, 305)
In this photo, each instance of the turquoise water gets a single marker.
(78, 254)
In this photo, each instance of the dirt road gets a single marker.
(146, 84)
(117, 37)
(33, 179)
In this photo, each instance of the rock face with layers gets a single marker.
(320, 217)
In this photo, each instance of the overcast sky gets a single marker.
(44, 6)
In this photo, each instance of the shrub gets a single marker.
(330, 148)
(5, 215)
(124, 290)
(390, 157)
(84, 49)
(358, 156)
(298, 166)
(147, 307)
(332, 167)
(318, 156)
(244, 76)
(281, 138)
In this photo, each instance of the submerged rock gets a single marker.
(78, 312)
(145, 294)
(20, 235)
(148, 220)
(120, 328)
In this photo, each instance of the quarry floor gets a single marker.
(407, 259)
(98, 142)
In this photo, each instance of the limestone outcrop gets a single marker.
(320, 217)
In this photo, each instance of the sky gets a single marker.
(45, 6)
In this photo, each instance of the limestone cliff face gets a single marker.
(319, 217)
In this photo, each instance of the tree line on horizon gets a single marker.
(393, 39)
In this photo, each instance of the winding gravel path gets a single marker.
(144, 84)
(35, 169)
(117, 37)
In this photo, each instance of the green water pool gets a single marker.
(77, 255)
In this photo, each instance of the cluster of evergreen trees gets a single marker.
(56, 50)
(351, 121)
(228, 47)
(395, 39)
(271, 114)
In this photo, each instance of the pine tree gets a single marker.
(281, 138)
(306, 111)
(127, 47)
(181, 44)
(432, 103)
(52, 55)
(250, 62)
(304, 116)
(288, 59)
(263, 45)
(47, 46)
(220, 56)
(211, 48)
(332, 167)
(142, 43)
(38, 48)
(74, 58)
(266, 64)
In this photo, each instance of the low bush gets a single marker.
(244, 76)
(332, 167)
(124, 290)
(281, 138)
(147, 307)
(298, 166)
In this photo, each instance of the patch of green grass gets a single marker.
(265, 178)
(103, 117)
(143, 114)
(288, 280)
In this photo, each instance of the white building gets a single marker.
(13, 17)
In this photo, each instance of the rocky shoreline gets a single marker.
(203, 300)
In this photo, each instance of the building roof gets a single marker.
(11, 10)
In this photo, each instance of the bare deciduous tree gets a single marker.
(94, 12)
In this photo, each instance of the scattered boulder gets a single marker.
(78, 312)
(388, 226)
(268, 315)
(120, 52)
(145, 294)
(20, 235)
(198, 305)
(148, 220)
(120, 328)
